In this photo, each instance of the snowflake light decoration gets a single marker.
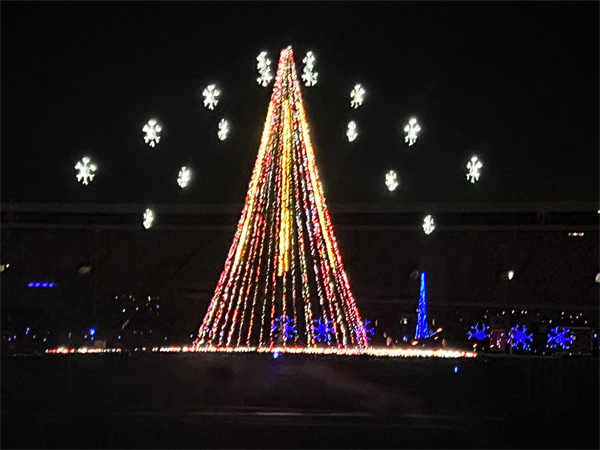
(309, 76)
(560, 337)
(322, 330)
(428, 225)
(85, 171)
(351, 133)
(477, 333)
(185, 176)
(474, 169)
(148, 218)
(210, 96)
(290, 327)
(264, 69)
(411, 131)
(152, 133)
(391, 180)
(223, 129)
(519, 338)
(357, 96)
(369, 329)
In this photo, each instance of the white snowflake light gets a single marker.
(85, 170)
(391, 180)
(223, 129)
(148, 218)
(428, 225)
(411, 131)
(351, 133)
(185, 175)
(264, 69)
(152, 130)
(210, 96)
(474, 169)
(357, 95)
(309, 76)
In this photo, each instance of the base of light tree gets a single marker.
(377, 352)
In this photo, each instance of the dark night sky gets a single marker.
(514, 83)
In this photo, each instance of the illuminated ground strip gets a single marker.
(379, 352)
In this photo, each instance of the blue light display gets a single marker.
(477, 333)
(560, 337)
(276, 355)
(322, 329)
(456, 369)
(519, 338)
(290, 327)
(92, 331)
(422, 331)
(369, 329)
(35, 284)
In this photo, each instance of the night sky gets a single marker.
(515, 84)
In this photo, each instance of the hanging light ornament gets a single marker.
(411, 131)
(264, 70)
(428, 224)
(210, 96)
(148, 218)
(351, 133)
(185, 176)
(357, 96)
(391, 180)
(223, 129)
(474, 169)
(85, 171)
(152, 133)
(309, 76)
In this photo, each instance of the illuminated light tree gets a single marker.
(477, 333)
(351, 133)
(422, 331)
(357, 96)
(391, 180)
(284, 260)
(152, 133)
(223, 129)
(474, 169)
(519, 338)
(560, 337)
(85, 171)
(210, 96)
(411, 131)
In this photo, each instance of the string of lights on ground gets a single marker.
(277, 351)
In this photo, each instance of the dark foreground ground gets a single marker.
(297, 401)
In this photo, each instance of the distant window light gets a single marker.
(576, 233)
(598, 278)
(84, 269)
(3, 267)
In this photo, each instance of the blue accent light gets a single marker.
(560, 337)
(322, 330)
(38, 284)
(69, 335)
(456, 369)
(422, 331)
(369, 329)
(479, 334)
(31, 285)
(92, 331)
(51, 285)
(276, 355)
(520, 338)
(27, 330)
(44, 285)
(290, 327)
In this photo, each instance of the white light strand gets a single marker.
(391, 180)
(474, 169)
(185, 176)
(411, 131)
(223, 129)
(309, 76)
(357, 96)
(428, 225)
(210, 96)
(352, 133)
(264, 69)
(152, 133)
(148, 218)
(85, 171)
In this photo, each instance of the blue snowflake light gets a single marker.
(290, 327)
(322, 330)
(560, 337)
(369, 329)
(477, 333)
(519, 338)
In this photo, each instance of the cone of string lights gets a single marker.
(283, 284)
